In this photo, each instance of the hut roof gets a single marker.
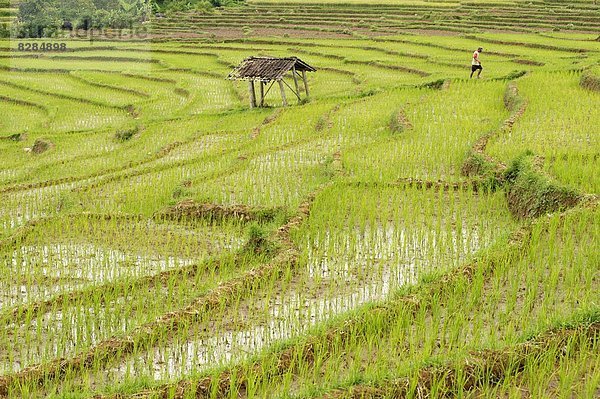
(268, 68)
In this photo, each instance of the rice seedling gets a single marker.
(403, 232)
(565, 141)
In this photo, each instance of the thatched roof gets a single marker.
(268, 68)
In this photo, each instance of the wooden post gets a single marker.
(262, 93)
(305, 84)
(296, 82)
(282, 88)
(252, 94)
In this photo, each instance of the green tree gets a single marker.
(106, 4)
(38, 18)
(77, 12)
(44, 18)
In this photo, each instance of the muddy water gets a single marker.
(39, 272)
(351, 271)
(20, 207)
(19, 215)
(94, 257)
(62, 333)
(7, 175)
(36, 272)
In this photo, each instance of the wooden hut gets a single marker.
(266, 71)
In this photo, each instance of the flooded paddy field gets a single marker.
(399, 231)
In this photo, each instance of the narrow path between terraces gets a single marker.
(287, 359)
(287, 254)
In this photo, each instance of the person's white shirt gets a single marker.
(475, 58)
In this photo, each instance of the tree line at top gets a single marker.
(54, 18)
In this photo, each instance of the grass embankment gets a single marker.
(529, 192)
(486, 369)
(398, 203)
(557, 129)
(590, 79)
(282, 252)
(478, 163)
(425, 323)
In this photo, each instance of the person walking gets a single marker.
(476, 63)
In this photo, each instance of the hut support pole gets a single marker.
(282, 88)
(305, 84)
(252, 94)
(262, 94)
(292, 89)
(296, 82)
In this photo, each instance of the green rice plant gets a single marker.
(171, 242)
(498, 308)
(64, 84)
(331, 285)
(531, 195)
(437, 309)
(549, 129)
(590, 79)
(418, 153)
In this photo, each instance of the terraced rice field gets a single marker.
(408, 232)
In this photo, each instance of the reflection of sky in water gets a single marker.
(50, 269)
(20, 207)
(35, 273)
(79, 325)
(344, 273)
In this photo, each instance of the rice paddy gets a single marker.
(404, 232)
